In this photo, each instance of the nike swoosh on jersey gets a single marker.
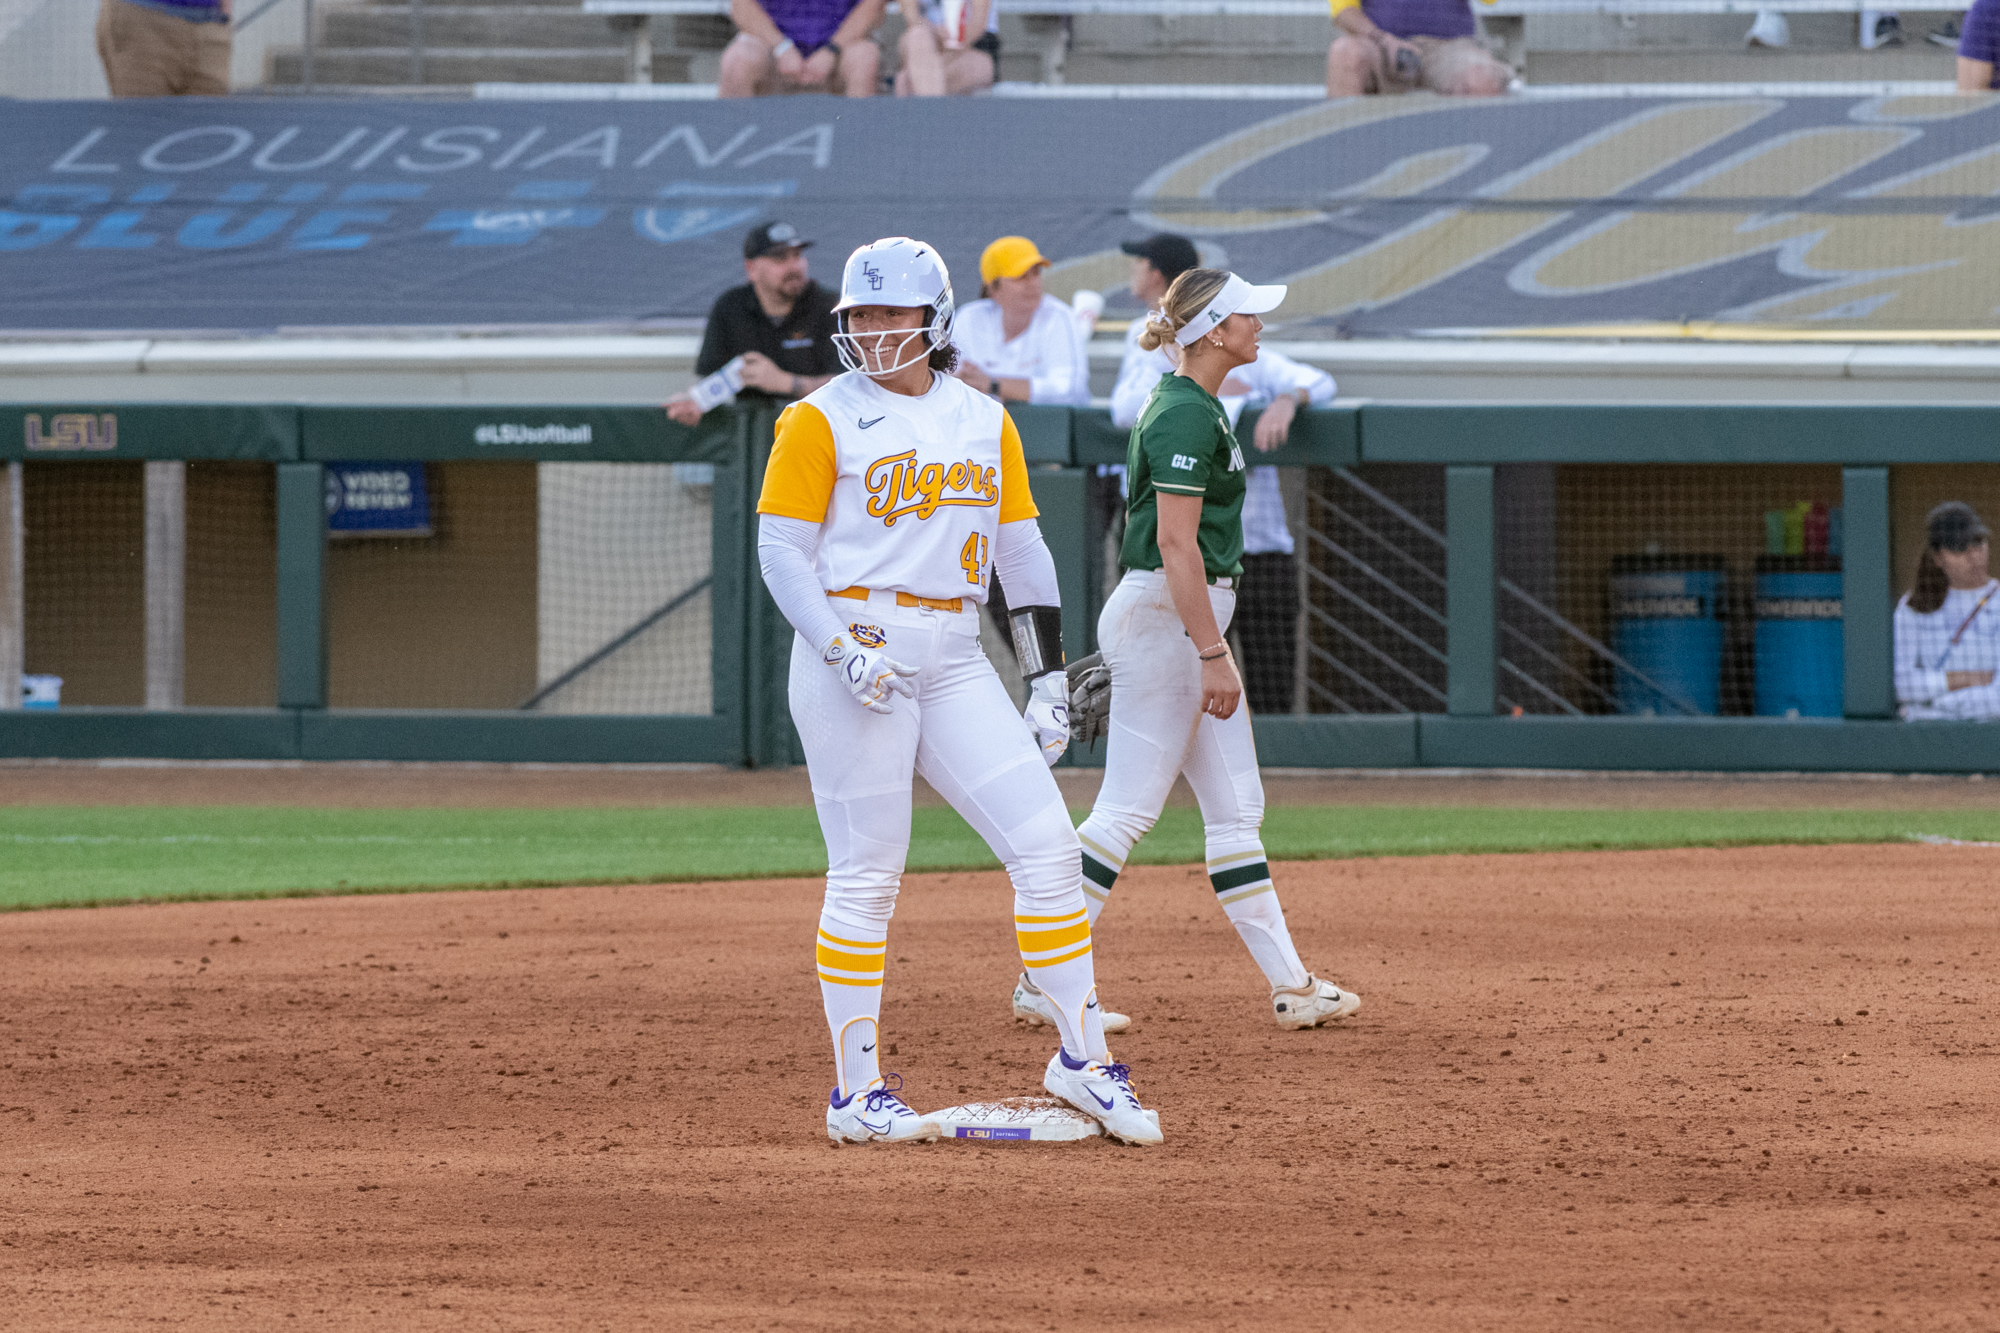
(866, 424)
(867, 1048)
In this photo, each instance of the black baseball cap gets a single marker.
(772, 236)
(1953, 526)
(1172, 255)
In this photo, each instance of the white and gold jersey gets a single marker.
(909, 492)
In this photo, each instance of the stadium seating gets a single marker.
(1244, 43)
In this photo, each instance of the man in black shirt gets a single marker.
(780, 323)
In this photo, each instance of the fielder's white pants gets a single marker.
(1158, 732)
(964, 735)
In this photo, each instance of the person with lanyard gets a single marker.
(1947, 626)
(780, 323)
(1176, 699)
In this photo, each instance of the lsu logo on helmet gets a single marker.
(868, 636)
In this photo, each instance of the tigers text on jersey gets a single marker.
(909, 492)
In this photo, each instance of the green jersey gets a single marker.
(1182, 445)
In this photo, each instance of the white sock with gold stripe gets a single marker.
(1242, 881)
(1055, 948)
(850, 985)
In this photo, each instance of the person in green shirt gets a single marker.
(1176, 698)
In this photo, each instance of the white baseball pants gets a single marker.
(962, 732)
(1158, 732)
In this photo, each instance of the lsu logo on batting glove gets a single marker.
(872, 677)
(1048, 714)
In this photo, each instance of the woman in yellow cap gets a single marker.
(1017, 342)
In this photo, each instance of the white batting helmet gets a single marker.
(894, 271)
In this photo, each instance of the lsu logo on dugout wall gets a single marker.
(71, 432)
(897, 486)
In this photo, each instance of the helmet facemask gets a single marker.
(893, 345)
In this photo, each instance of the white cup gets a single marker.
(954, 22)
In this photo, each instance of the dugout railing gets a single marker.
(1473, 583)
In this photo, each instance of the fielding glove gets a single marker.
(1048, 714)
(1089, 699)
(870, 676)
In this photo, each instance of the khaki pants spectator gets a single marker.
(150, 53)
(1456, 67)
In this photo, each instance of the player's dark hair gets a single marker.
(1928, 593)
(944, 359)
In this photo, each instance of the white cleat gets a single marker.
(1033, 1007)
(1314, 1003)
(875, 1114)
(1103, 1092)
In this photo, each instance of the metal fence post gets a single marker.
(1868, 684)
(309, 46)
(1468, 600)
(301, 585)
(13, 587)
(416, 41)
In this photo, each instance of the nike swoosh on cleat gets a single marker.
(866, 424)
(1093, 1096)
(882, 1128)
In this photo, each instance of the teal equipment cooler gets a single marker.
(1798, 651)
(1666, 623)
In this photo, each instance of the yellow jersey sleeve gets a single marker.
(1016, 500)
(798, 481)
(1337, 5)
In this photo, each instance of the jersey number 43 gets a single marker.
(972, 559)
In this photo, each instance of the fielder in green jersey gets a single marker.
(1182, 445)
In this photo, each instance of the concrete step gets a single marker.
(1909, 62)
(391, 66)
(515, 27)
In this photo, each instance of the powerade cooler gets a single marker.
(1799, 657)
(1666, 622)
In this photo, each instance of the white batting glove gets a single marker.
(871, 676)
(1048, 714)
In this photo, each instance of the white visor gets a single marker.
(1237, 297)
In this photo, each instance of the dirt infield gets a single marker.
(1696, 1089)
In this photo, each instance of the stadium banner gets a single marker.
(1388, 216)
(546, 434)
(125, 431)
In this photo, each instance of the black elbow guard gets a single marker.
(1037, 639)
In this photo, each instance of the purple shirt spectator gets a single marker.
(1980, 37)
(195, 11)
(808, 22)
(1420, 18)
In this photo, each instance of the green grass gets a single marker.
(67, 856)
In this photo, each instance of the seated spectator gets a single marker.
(780, 322)
(801, 46)
(937, 58)
(1017, 341)
(164, 48)
(1979, 46)
(1156, 262)
(1393, 46)
(1948, 625)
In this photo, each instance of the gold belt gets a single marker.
(951, 604)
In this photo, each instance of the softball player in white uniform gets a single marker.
(1176, 698)
(891, 496)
